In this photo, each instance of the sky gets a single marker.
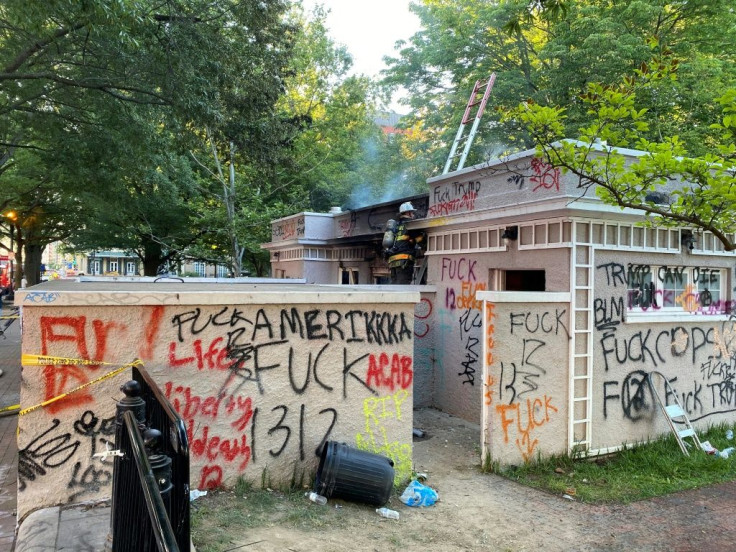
(369, 30)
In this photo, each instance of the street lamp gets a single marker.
(13, 216)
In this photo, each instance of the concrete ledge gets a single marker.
(73, 293)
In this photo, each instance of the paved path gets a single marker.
(9, 395)
(510, 517)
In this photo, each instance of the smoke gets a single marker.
(386, 187)
(364, 196)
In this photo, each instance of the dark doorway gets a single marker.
(525, 280)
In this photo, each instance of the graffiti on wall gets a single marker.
(56, 447)
(253, 385)
(267, 354)
(347, 225)
(460, 276)
(375, 437)
(517, 388)
(454, 197)
(288, 229)
(699, 358)
(490, 345)
(543, 177)
(650, 289)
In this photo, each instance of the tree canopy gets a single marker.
(105, 96)
(672, 186)
(548, 52)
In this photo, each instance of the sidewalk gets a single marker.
(9, 395)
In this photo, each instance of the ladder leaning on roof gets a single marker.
(476, 100)
(674, 413)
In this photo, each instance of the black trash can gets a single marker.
(355, 475)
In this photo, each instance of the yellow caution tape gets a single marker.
(9, 408)
(43, 360)
(14, 317)
(79, 387)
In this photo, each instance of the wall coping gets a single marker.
(76, 293)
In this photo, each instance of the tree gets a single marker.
(703, 199)
(69, 71)
(548, 52)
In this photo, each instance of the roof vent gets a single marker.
(335, 210)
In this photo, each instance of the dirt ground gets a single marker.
(476, 511)
(486, 512)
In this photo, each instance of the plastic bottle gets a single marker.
(317, 498)
(725, 453)
(729, 434)
(387, 513)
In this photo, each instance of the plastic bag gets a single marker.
(194, 494)
(417, 494)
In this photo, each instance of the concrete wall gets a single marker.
(262, 375)
(526, 358)
(457, 317)
(425, 349)
(695, 350)
(524, 380)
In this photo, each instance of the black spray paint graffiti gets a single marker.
(652, 347)
(248, 368)
(249, 362)
(470, 323)
(516, 179)
(641, 281)
(44, 453)
(634, 394)
(516, 381)
(714, 394)
(285, 355)
(49, 451)
(547, 322)
(285, 430)
(354, 326)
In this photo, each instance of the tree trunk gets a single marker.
(32, 263)
(151, 258)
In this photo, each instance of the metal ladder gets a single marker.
(420, 269)
(674, 413)
(476, 100)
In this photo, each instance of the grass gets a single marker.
(220, 522)
(643, 471)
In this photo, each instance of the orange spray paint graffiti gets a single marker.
(538, 413)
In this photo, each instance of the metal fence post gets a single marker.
(160, 465)
(124, 470)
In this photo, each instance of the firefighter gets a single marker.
(402, 255)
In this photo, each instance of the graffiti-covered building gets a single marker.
(542, 309)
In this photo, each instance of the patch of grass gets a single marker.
(642, 471)
(227, 514)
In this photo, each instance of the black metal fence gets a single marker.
(7, 317)
(150, 502)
